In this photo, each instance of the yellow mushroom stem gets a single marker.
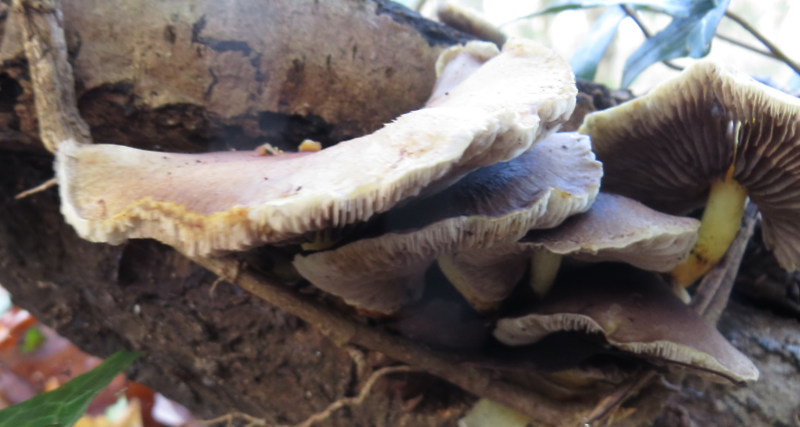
(322, 240)
(544, 269)
(456, 277)
(719, 225)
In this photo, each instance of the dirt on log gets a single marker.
(251, 79)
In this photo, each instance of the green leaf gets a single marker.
(689, 36)
(63, 406)
(34, 338)
(585, 59)
(678, 8)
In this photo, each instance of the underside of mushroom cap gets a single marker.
(768, 161)
(620, 229)
(615, 228)
(556, 178)
(665, 149)
(207, 203)
(633, 311)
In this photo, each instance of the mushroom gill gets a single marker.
(202, 204)
(634, 311)
(556, 178)
(615, 228)
(712, 137)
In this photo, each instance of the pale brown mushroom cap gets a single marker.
(556, 178)
(666, 148)
(615, 228)
(620, 229)
(206, 203)
(635, 312)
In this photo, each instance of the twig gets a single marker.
(358, 360)
(633, 15)
(51, 74)
(38, 189)
(229, 418)
(343, 330)
(746, 46)
(220, 278)
(768, 44)
(611, 403)
(357, 400)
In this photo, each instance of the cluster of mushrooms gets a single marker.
(479, 186)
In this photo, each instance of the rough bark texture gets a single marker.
(251, 80)
(151, 74)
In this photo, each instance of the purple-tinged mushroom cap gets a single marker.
(208, 203)
(634, 311)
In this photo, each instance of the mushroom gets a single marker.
(635, 312)
(615, 228)
(469, 21)
(208, 203)
(710, 136)
(556, 178)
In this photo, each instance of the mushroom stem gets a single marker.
(544, 269)
(322, 240)
(718, 227)
(456, 276)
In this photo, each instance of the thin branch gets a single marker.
(769, 45)
(633, 15)
(38, 189)
(343, 330)
(230, 418)
(613, 401)
(746, 46)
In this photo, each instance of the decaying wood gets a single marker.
(200, 75)
(228, 350)
(50, 72)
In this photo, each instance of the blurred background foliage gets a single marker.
(637, 44)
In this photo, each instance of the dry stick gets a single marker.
(746, 46)
(769, 45)
(609, 404)
(343, 330)
(358, 360)
(229, 418)
(51, 74)
(38, 189)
